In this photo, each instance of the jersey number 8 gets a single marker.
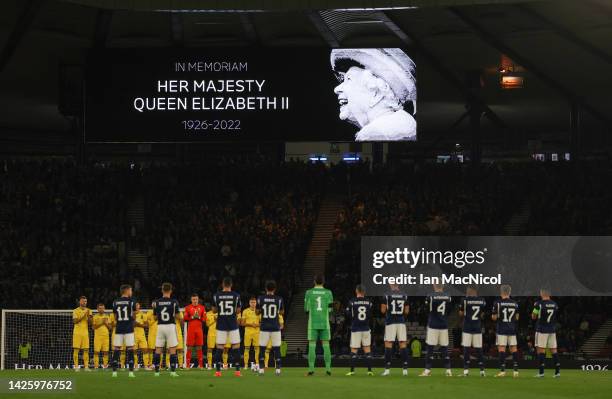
(361, 313)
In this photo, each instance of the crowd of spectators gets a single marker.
(453, 200)
(65, 229)
(62, 232)
(569, 200)
(250, 220)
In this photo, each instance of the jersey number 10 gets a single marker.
(270, 310)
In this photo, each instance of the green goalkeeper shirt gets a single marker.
(316, 303)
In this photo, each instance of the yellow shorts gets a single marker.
(80, 340)
(101, 344)
(180, 343)
(211, 340)
(251, 337)
(151, 339)
(140, 341)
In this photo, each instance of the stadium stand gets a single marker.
(71, 225)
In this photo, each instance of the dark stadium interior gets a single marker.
(79, 218)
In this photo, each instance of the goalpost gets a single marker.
(45, 337)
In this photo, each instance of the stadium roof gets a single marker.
(564, 46)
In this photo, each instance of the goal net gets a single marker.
(41, 339)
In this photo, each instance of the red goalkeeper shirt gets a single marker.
(195, 316)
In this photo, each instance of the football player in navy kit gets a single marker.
(506, 313)
(123, 311)
(226, 304)
(395, 310)
(167, 313)
(472, 309)
(270, 307)
(359, 310)
(545, 314)
(439, 305)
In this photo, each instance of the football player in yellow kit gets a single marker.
(140, 337)
(251, 322)
(152, 324)
(102, 327)
(180, 346)
(81, 317)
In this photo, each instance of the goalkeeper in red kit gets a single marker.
(195, 315)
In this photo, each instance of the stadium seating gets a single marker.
(67, 233)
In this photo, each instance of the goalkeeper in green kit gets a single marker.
(317, 303)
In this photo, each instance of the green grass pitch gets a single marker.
(293, 384)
